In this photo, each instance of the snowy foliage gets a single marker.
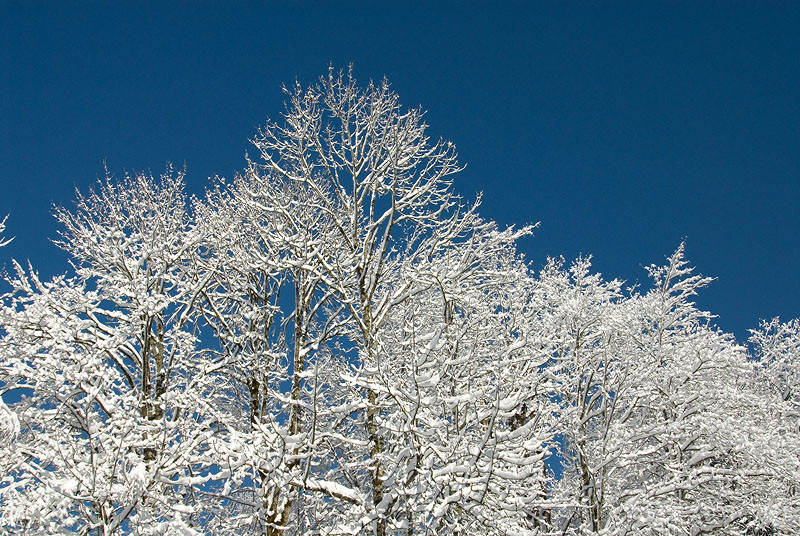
(333, 342)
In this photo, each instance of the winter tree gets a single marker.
(670, 434)
(334, 342)
(107, 366)
(350, 211)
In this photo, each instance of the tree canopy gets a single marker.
(334, 342)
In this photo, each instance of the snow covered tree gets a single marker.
(266, 304)
(777, 415)
(356, 214)
(334, 342)
(112, 406)
(677, 437)
(579, 335)
(777, 347)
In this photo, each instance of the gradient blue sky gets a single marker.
(623, 127)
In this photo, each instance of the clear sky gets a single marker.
(623, 127)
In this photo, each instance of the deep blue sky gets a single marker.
(623, 127)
